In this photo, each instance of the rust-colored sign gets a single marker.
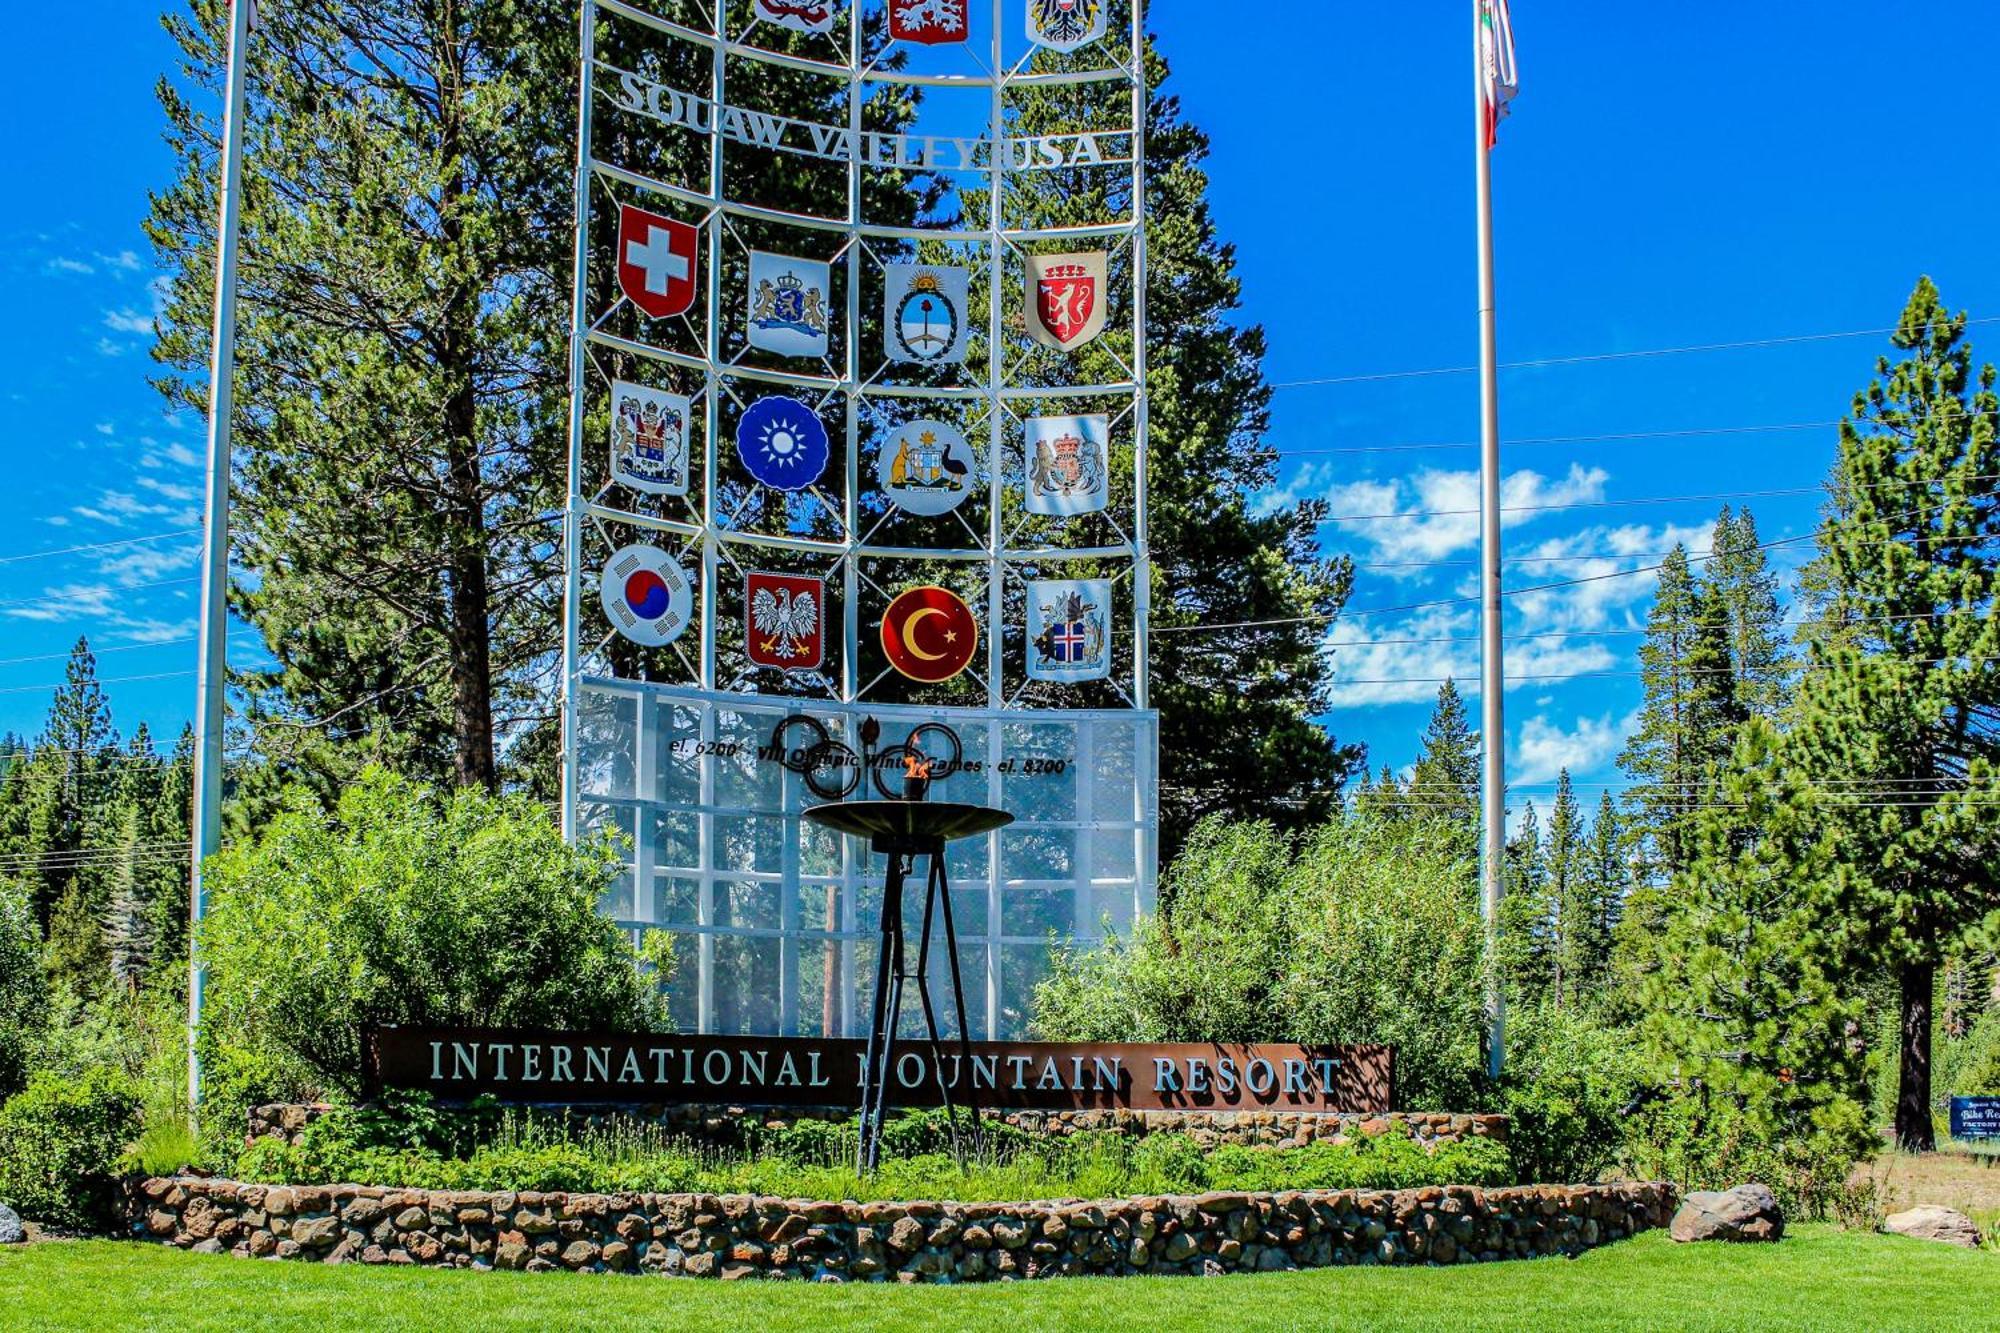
(581, 1068)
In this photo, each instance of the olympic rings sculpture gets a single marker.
(832, 770)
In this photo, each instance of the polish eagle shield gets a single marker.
(1066, 299)
(1064, 25)
(786, 620)
(931, 22)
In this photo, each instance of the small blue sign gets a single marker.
(1975, 1117)
(782, 443)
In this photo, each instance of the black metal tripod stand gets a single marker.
(892, 971)
(904, 831)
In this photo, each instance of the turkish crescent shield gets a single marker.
(1066, 308)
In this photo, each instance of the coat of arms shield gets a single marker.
(1066, 298)
(1064, 25)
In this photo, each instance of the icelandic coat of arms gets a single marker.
(1069, 629)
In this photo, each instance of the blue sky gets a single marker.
(1736, 173)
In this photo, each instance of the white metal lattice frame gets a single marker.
(712, 536)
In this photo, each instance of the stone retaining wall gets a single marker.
(1279, 1129)
(738, 1236)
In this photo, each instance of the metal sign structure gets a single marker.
(858, 430)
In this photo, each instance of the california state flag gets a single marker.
(1499, 79)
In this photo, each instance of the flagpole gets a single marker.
(1492, 675)
(213, 668)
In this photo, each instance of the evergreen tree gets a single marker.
(1753, 623)
(128, 920)
(1445, 782)
(1899, 716)
(51, 798)
(1527, 954)
(1745, 1001)
(1686, 720)
(1607, 879)
(1566, 896)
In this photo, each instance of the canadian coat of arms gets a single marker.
(649, 445)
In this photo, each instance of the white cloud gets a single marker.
(61, 264)
(128, 320)
(1542, 749)
(107, 347)
(1434, 513)
(186, 457)
(69, 601)
(157, 631)
(1404, 661)
(125, 261)
(167, 490)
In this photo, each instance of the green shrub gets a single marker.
(543, 1154)
(61, 1141)
(21, 1001)
(404, 907)
(1703, 1143)
(1569, 1081)
(1366, 931)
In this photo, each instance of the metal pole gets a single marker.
(573, 505)
(212, 672)
(1492, 678)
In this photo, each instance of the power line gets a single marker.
(1646, 500)
(103, 680)
(97, 546)
(1347, 613)
(96, 652)
(1787, 669)
(1588, 358)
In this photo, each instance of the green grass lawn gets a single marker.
(1819, 1278)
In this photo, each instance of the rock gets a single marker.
(11, 1230)
(906, 1235)
(316, 1232)
(1928, 1221)
(1748, 1212)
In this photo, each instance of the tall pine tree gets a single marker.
(1445, 782)
(1686, 720)
(1746, 592)
(1899, 716)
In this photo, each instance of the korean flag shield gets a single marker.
(656, 261)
